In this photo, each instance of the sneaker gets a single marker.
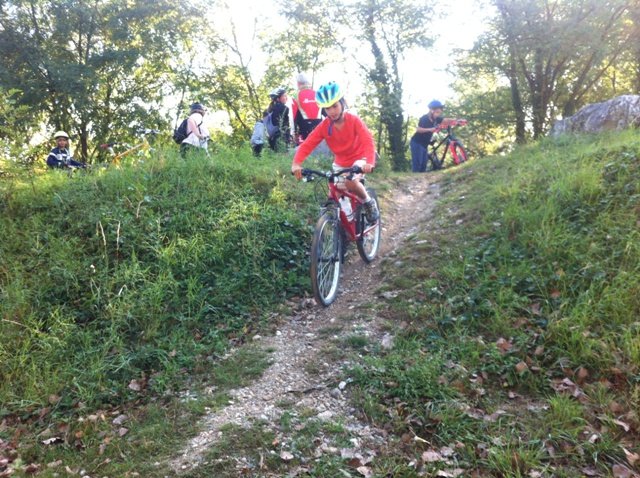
(371, 211)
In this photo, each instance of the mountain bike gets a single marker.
(451, 144)
(342, 221)
(143, 146)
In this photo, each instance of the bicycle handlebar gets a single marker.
(450, 124)
(310, 173)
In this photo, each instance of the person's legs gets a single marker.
(273, 141)
(184, 149)
(416, 155)
(257, 149)
(423, 159)
(371, 209)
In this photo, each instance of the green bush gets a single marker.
(137, 272)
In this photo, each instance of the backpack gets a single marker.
(272, 128)
(180, 133)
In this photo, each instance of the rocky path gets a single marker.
(300, 338)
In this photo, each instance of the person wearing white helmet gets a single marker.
(60, 157)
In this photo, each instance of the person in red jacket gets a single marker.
(306, 112)
(349, 140)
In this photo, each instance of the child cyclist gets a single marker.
(349, 140)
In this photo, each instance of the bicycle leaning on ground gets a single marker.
(342, 220)
(451, 145)
(143, 146)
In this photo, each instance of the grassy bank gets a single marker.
(124, 286)
(517, 348)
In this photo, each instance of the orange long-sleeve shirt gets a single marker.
(353, 141)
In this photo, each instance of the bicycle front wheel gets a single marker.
(326, 249)
(459, 153)
(368, 235)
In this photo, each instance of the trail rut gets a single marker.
(299, 340)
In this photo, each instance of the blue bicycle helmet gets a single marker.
(435, 105)
(329, 94)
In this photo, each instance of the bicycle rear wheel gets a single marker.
(326, 250)
(368, 235)
(459, 153)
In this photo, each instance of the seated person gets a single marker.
(60, 156)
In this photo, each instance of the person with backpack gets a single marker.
(259, 132)
(278, 126)
(60, 157)
(192, 135)
(306, 113)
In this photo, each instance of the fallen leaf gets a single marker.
(621, 471)
(615, 407)
(521, 367)
(590, 471)
(535, 308)
(135, 385)
(583, 373)
(365, 471)
(123, 431)
(54, 464)
(503, 345)
(539, 350)
(286, 456)
(31, 468)
(446, 451)
(52, 441)
(494, 416)
(631, 457)
(624, 425)
(555, 294)
(430, 456)
(53, 399)
(120, 419)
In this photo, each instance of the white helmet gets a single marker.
(60, 134)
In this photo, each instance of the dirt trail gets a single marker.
(298, 342)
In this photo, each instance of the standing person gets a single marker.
(60, 156)
(427, 125)
(348, 138)
(197, 134)
(306, 112)
(279, 112)
(259, 132)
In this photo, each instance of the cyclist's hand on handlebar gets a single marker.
(367, 168)
(296, 170)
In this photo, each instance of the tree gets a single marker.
(308, 43)
(557, 51)
(94, 68)
(390, 29)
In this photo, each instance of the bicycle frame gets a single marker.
(449, 142)
(349, 226)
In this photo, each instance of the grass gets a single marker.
(519, 305)
(121, 289)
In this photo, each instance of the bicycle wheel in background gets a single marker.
(326, 249)
(369, 243)
(459, 153)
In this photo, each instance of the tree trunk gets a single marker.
(516, 102)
